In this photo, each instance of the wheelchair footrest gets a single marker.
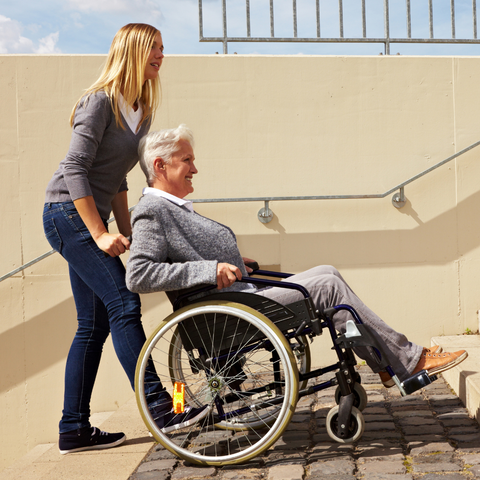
(418, 381)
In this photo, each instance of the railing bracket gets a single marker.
(265, 215)
(399, 199)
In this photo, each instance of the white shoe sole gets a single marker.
(95, 447)
(447, 366)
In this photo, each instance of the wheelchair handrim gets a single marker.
(269, 329)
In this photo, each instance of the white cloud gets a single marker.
(47, 44)
(12, 40)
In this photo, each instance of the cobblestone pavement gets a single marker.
(428, 435)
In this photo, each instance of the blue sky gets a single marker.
(88, 26)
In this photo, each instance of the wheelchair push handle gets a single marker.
(253, 265)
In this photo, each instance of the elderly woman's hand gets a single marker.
(227, 274)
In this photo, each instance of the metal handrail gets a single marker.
(265, 215)
(386, 40)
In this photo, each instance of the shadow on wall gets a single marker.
(41, 349)
(434, 242)
(338, 248)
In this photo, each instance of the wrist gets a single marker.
(97, 234)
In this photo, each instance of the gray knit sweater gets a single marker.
(174, 248)
(99, 158)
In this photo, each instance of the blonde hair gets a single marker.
(124, 72)
(161, 144)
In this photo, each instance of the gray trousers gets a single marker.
(327, 289)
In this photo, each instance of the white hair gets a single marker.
(161, 144)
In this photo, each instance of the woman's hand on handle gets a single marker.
(114, 244)
(227, 275)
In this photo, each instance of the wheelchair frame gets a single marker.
(248, 358)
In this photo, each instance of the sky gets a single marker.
(88, 26)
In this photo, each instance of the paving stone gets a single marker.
(425, 438)
(438, 476)
(157, 465)
(381, 456)
(286, 472)
(333, 467)
(322, 438)
(457, 415)
(444, 400)
(418, 421)
(330, 452)
(381, 435)
(459, 422)
(395, 466)
(300, 418)
(379, 426)
(421, 448)
(463, 430)
(321, 413)
(377, 417)
(160, 453)
(424, 430)
(154, 475)
(387, 476)
(386, 444)
(470, 459)
(472, 447)
(436, 467)
(331, 477)
(375, 410)
(413, 413)
(473, 437)
(408, 401)
(434, 458)
(304, 427)
(183, 472)
(241, 475)
(475, 470)
(278, 457)
(288, 443)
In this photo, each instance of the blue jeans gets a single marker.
(104, 305)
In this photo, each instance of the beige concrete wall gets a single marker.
(265, 126)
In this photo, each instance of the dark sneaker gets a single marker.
(88, 438)
(169, 421)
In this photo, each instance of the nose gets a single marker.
(193, 169)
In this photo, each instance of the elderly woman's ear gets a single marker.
(158, 164)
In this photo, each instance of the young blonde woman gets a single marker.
(108, 123)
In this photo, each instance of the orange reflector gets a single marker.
(178, 397)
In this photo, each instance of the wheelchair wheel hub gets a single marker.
(216, 384)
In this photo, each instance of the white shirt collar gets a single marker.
(131, 116)
(168, 196)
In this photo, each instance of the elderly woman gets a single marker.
(174, 248)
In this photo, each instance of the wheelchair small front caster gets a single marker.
(360, 401)
(355, 428)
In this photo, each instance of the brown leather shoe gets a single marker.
(387, 379)
(435, 363)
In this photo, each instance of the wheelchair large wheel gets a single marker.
(178, 359)
(235, 360)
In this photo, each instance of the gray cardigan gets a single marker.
(174, 249)
(99, 158)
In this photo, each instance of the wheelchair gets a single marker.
(248, 358)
